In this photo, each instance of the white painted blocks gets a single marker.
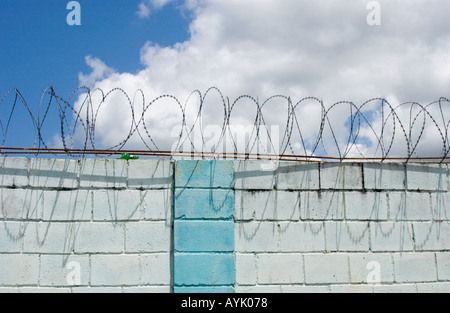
(268, 205)
(19, 269)
(150, 174)
(53, 173)
(347, 236)
(14, 172)
(391, 236)
(427, 177)
(338, 176)
(64, 270)
(255, 175)
(103, 173)
(371, 268)
(443, 266)
(415, 267)
(280, 269)
(388, 176)
(115, 270)
(327, 269)
(147, 237)
(21, 204)
(298, 176)
(63, 205)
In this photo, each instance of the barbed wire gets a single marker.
(305, 130)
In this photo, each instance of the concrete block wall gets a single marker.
(332, 227)
(85, 226)
(222, 226)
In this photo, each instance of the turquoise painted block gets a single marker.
(204, 174)
(208, 289)
(203, 236)
(204, 269)
(204, 204)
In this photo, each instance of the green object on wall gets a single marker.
(126, 156)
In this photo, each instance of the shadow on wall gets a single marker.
(86, 206)
(312, 207)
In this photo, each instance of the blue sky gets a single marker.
(326, 49)
(39, 49)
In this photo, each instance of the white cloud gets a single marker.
(145, 7)
(143, 10)
(99, 72)
(297, 48)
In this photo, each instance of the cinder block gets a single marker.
(43, 290)
(410, 206)
(367, 268)
(301, 237)
(117, 205)
(434, 288)
(351, 289)
(365, 206)
(204, 204)
(347, 236)
(103, 173)
(147, 289)
(95, 290)
(13, 172)
(245, 269)
(391, 236)
(267, 205)
(338, 176)
(53, 173)
(157, 204)
(384, 176)
(427, 177)
(64, 270)
(415, 267)
(11, 236)
(19, 269)
(259, 289)
(280, 269)
(74, 205)
(440, 206)
(204, 289)
(115, 270)
(147, 237)
(298, 176)
(150, 174)
(255, 175)
(326, 268)
(443, 266)
(296, 289)
(4, 290)
(156, 269)
(204, 174)
(204, 236)
(256, 237)
(325, 205)
(50, 237)
(99, 238)
(21, 204)
(204, 269)
(403, 288)
(429, 236)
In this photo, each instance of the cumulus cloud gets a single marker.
(145, 7)
(297, 48)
